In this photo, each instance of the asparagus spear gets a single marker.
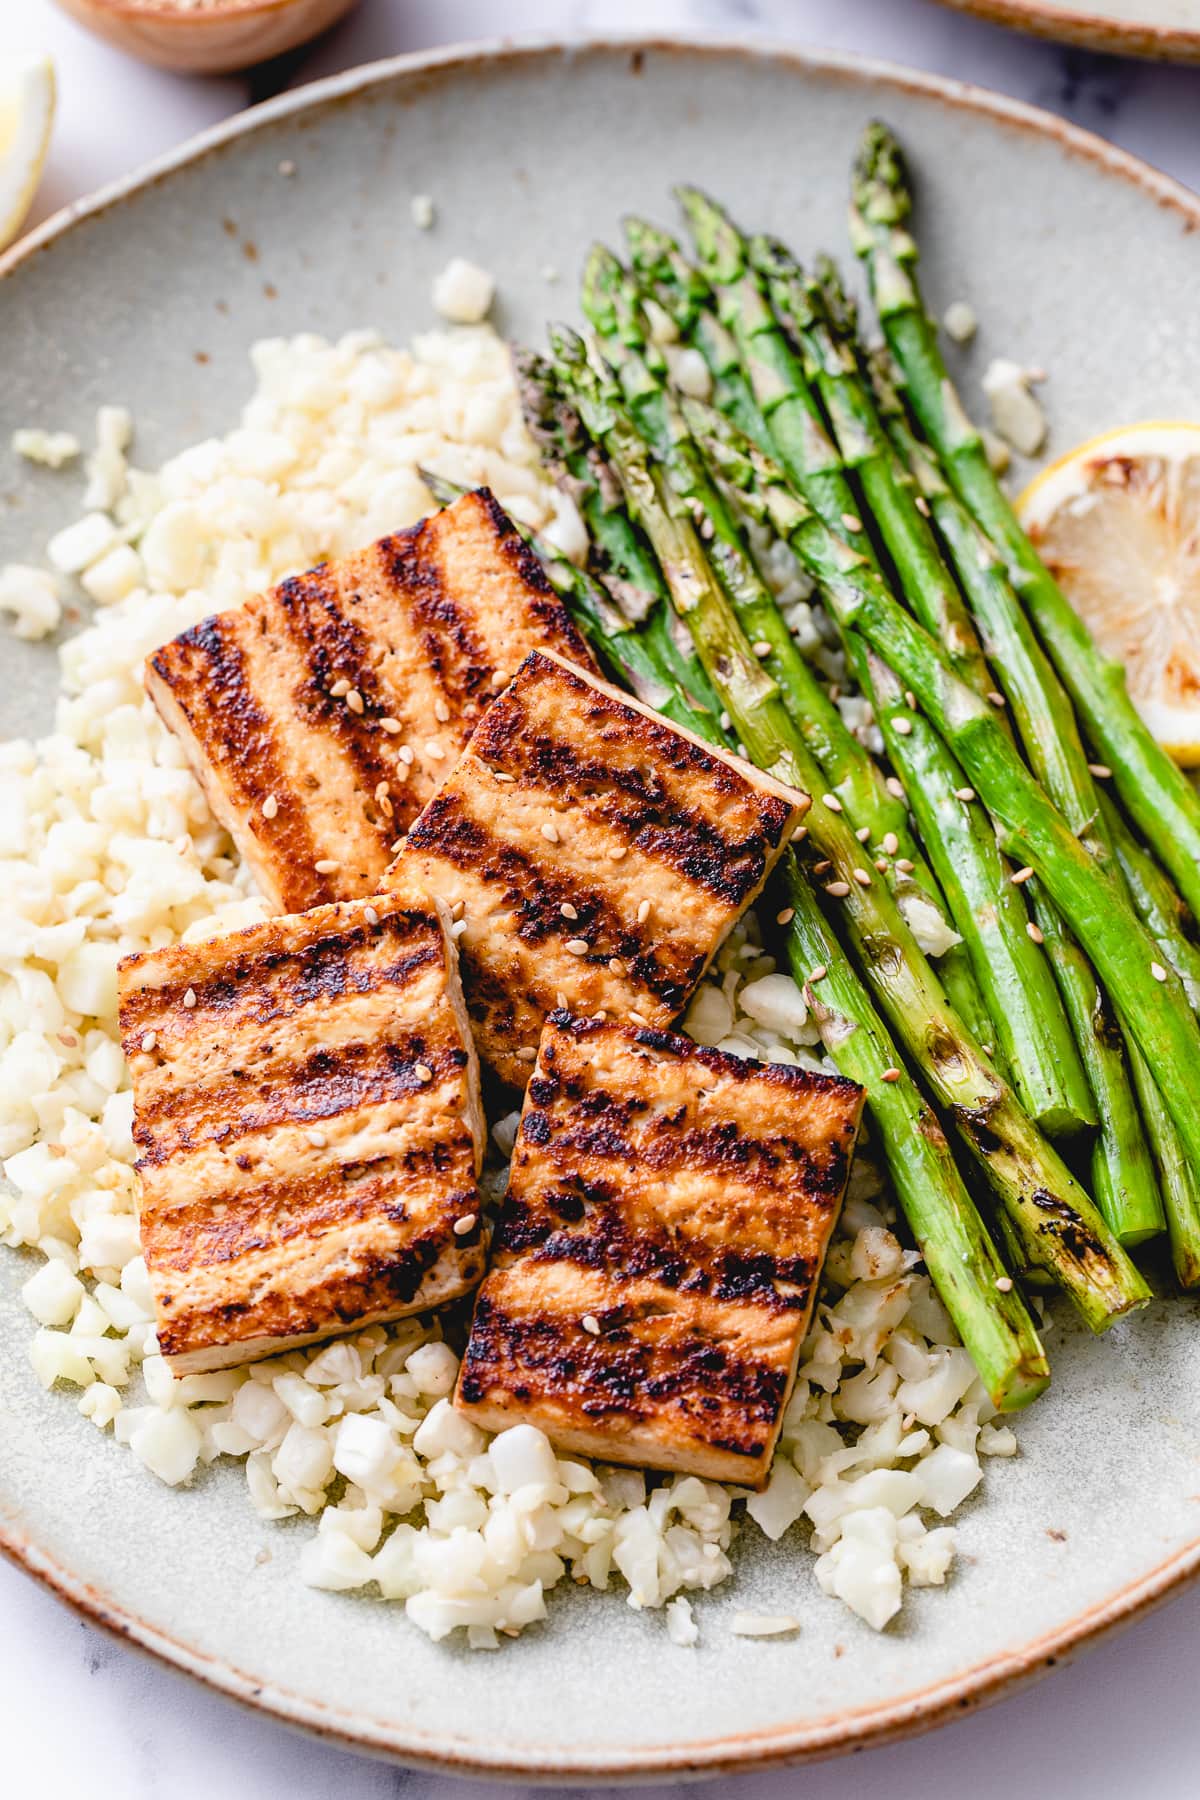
(899, 477)
(1150, 998)
(1156, 794)
(1046, 721)
(1028, 1021)
(1058, 1224)
(1159, 906)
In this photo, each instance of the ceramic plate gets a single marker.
(1168, 30)
(1075, 258)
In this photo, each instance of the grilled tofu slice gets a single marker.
(658, 1250)
(597, 854)
(323, 715)
(306, 1108)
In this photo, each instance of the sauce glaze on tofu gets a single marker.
(658, 1250)
(322, 716)
(307, 1116)
(597, 854)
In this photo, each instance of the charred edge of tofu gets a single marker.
(622, 1298)
(220, 1038)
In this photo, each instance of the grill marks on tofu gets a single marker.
(307, 1116)
(659, 1248)
(321, 717)
(596, 853)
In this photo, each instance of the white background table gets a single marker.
(79, 1714)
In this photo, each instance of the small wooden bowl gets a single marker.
(207, 37)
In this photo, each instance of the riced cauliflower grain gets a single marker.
(107, 847)
(53, 449)
(463, 292)
(1015, 411)
(960, 321)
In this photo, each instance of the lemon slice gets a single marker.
(1117, 521)
(26, 117)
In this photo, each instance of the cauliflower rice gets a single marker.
(107, 847)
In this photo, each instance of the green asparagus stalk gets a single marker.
(1154, 791)
(1028, 1022)
(891, 465)
(1123, 1175)
(1160, 907)
(1058, 1224)
(1149, 996)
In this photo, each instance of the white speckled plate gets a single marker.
(1166, 30)
(1076, 258)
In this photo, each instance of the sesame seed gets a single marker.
(467, 1223)
(996, 697)
(863, 833)
(149, 1039)
(615, 966)
(526, 1053)
(399, 845)
(590, 1324)
(922, 505)
(441, 711)
(786, 916)
(838, 889)
(317, 1139)
(1004, 1284)
(862, 878)
(407, 753)
(1158, 972)
(1101, 771)
(800, 833)
(1020, 875)
(890, 1075)
(761, 648)
(457, 910)
(851, 521)
(506, 780)
(819, 973)
(550, 832)
(354, 701)
(904, 865)
(895, 787)
(832, 802)
(434, 751)
(638, 1018)
(189, 999)
(577, 946)
(423, 1072)
(902, 726)
(381, 790)
(340, 689)
(965, 794)
(270, 807)
(500, 678)
(819, 868)
(326, 865)
(726, 721)
(1035, 932)
(910, 699)
(881, 863)
(643, 912)
(618, 853)
(370, 915)
(560, 1001)
(392, 726)
(891, 843)
(568, 911)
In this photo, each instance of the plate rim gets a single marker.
(1159, 43)
(869, 1726)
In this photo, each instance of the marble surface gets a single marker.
(81, 1714)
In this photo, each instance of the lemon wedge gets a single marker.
(1117, 521)
(27, 96)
